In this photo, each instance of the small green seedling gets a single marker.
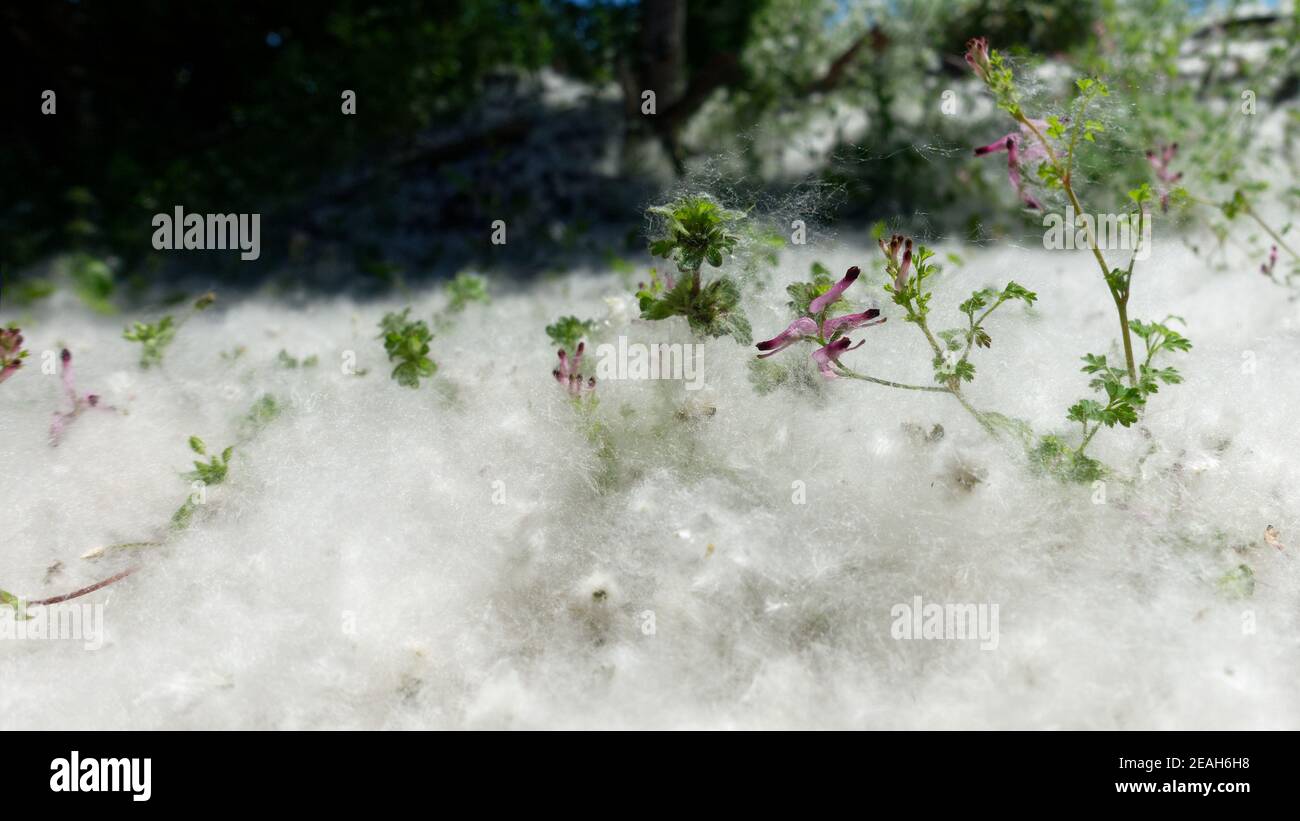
(694, 230)
(464, 289)
(568, 331)
(287, 361)
(155, 338)
(407, 343)
(205, 475)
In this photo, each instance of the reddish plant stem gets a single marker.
(83, 591)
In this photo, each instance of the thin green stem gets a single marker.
(1074, 134)
(1121, 300)
(925, 329)
(844, 370)
(1069, 191)
(1088, 438)
(1121, 305)
(852, 374)
(1256, 217)
(1276, 237)
(975, 324)
(979, 416)
(954, 385)
(1137, 247)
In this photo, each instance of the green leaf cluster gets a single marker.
(1001, 81)
(407, 343)
(464, 289)
(694, 230)
(568, 331)
(1052, 455)
(711, 310)
(1123, 402)
(154, 339)
(211, 472)
(286, 360)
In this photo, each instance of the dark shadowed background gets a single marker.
(529, 112)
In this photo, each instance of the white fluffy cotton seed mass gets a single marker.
(478, 553)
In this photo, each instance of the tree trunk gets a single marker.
(661, 68)
(663, 50)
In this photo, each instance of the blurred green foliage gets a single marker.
(239, 111)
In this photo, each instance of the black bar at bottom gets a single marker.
(218, 771)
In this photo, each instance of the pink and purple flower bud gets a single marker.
(824, 357)
(831, 328)
(891, 250)
(836, 291)
(802, 328)
(1267, 268)
(1165, 178)
(568, 373)
(977, 57)
(904, 268)
(849, 322)
(78, 402)
(1011, 144)
(900, 270)
(11, 352)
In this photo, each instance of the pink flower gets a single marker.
(831, 353)
(11, 352)
(902, 269)
(802, 328)
(805, 327)
(849, 322)
(1016, 155)
(568, 373)
(1267, 268)
(977, 57)
(819, 304)
(1165, 179)
(79, 403)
